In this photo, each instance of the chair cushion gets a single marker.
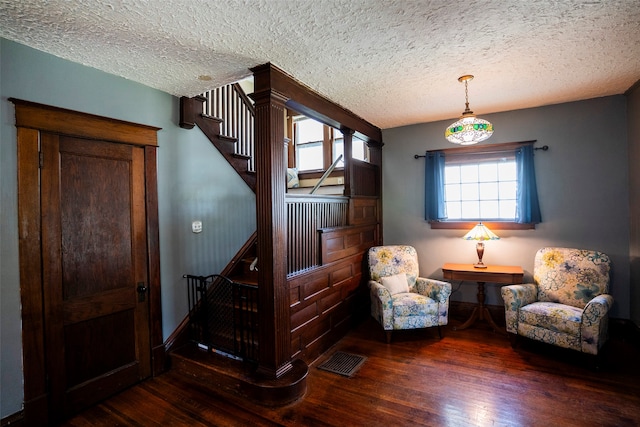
(292, 178)
(396, 283)
(552, 316)
(410, 304)
(390, 260)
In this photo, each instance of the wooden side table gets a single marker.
(492, 274)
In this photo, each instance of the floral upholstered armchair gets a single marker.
(568, 305)
(399, 298)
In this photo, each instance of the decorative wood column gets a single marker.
(347, 139)
(275, 322)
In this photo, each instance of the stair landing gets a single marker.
(239, 378)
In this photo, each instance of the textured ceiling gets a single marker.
(392, 62)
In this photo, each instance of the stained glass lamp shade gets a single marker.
(468, 129)
(480, 233)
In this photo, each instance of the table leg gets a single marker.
(480, 312)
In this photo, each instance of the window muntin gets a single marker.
(481, 190)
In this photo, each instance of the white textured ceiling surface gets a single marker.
(392, 62)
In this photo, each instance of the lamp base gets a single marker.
(479, 265)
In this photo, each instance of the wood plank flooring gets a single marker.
(469, 378)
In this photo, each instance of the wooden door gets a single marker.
(94, 266)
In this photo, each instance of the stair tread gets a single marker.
(226, 138)
(208, 117)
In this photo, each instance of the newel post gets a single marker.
(275, 323)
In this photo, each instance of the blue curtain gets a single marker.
(435, 208)
(528, 206)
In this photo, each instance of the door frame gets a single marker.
(31, 119)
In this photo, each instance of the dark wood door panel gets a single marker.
(95, 217)
(94, 257)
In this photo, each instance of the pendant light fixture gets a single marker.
(468, 129)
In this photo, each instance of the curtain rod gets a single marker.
(543, 148)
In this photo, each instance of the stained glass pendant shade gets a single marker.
(468, 129)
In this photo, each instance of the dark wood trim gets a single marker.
(13, 420)
(62, 121)
(305, 100)
(468, 225)
(347, 138)
(30, 249)
(274, 350)
(153, 261)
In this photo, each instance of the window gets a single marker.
(313, 140)
(309, 143)
(483, 189)
(359, 149)
(486, 183)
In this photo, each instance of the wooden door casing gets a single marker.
(38, 125)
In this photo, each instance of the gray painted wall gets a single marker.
(583, 186)
(633, 106)
(194, 183)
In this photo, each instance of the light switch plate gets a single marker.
(196, 226)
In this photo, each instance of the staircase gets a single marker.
(326, 238)
(226, 116)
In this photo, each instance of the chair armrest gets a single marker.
(595, 322)
(381, 305)
(437, 290)
(379, 292)
(516, 296)
(596, 309)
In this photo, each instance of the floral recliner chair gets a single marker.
(399, 298)
(568, 305)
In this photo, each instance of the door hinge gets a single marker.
(40, 159)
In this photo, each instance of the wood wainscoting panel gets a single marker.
(364, 210)
(341, 242)
(329, 299)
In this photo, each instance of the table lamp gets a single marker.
(481, 233)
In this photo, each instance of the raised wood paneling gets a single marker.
(327, 300)
(338, 243)
(364, 210)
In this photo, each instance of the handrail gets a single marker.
(326, 174)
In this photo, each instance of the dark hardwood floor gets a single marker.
(469, 378)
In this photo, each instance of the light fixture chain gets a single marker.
(466, 94)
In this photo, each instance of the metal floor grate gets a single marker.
(343, 363)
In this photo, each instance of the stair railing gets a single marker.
(234, 107)
(223, 316)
